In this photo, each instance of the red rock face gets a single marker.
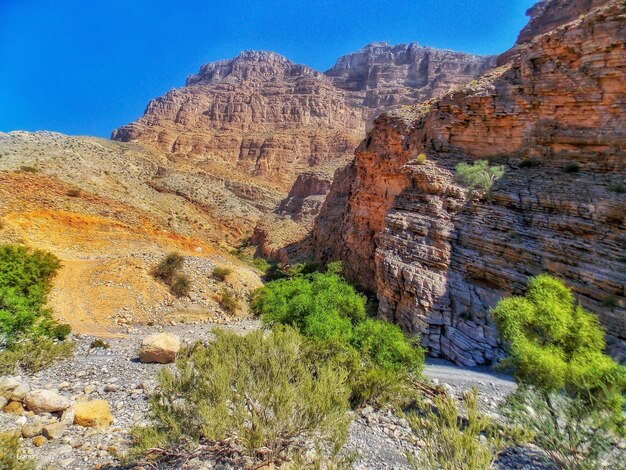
(438, 259)
(271, 118)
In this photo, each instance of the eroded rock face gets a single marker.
(268, 117)
(438, 259)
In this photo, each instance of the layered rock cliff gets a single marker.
(272, 118)
(439, 258)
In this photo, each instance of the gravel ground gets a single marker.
(380, 438)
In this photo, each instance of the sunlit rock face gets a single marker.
(438, 258)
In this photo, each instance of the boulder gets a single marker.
(32, 429)
(45, 401)
(7, 385)
(93, 414)
(161, 348)
(20, 392)
(53, 431)
(39, 441)
(14, 408)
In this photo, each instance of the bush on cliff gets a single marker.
(556, 351)
(381, 359)
(28, 334)
(168, 271)
(479, 175)
(259, 396)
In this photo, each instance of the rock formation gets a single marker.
(437, 257)
(269, 117)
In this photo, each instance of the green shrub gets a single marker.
(9, 453)
(421, 159)
(221, 273)
(381, 361)
(619, 188)
(610, 301)
(387, 346)
(168, 267)
(181, 285)
(33, 354)
(556, 351)
(479, 175)
(228, 301)
(572, 168)
(99, 344)
(452, 442)
(264, 391)
(563, 426)
(530, 163)
(29, 169)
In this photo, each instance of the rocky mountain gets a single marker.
(111, 211)
(270, 118)
(439, 257)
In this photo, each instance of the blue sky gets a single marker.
(84, 67)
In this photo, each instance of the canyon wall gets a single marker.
(439, 257)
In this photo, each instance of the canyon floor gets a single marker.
(380, 438)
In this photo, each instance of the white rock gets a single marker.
(45, 401)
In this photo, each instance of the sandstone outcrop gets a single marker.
(439, 259)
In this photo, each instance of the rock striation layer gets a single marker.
(439, 258)
(269, 117)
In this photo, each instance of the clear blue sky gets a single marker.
(84, 67)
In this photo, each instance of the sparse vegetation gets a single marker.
(221, 273)
(99, 344)
(530, 163)
(168, 270)
(609, 301)
(267, 393)
(576, 392)
(181, 285)
(619, 188)
(572, 168)
(29, 169)
(9, 453)
(33, 354)
(421, 159)
(453, 441)
(73, 192)
(228, 301)
(479, 175)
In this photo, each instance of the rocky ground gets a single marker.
(115, 374)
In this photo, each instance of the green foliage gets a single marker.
(264, 390)
(575, 436)
(228, 301)
(557, 345)
(181, 285)
(530, 163)
(479, 175)
(33, 354)
(421, 159)
(168, 267)
(381, 361)
(571, 394)
(387, 346)
(9, 453)
(610, 301)
(454, 443)
(221, 273)
(168, 270)
(619, 188)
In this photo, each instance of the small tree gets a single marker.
(556, 351)
(479, 175)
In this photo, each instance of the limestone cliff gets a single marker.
(437, 258)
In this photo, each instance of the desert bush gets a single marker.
(29, 169)
(221, 273)
(530, 163)
(228, 301)
(181, 285)
(453, 441)
(9, 453)
(168, 267)
(421, 159)
(264, 391)
(556, 352)
(33, 354)
(381, 361)
(575, 437)
(99, 344)
(73, 192)
(479, 175)
(572, 168)
(619, 188)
